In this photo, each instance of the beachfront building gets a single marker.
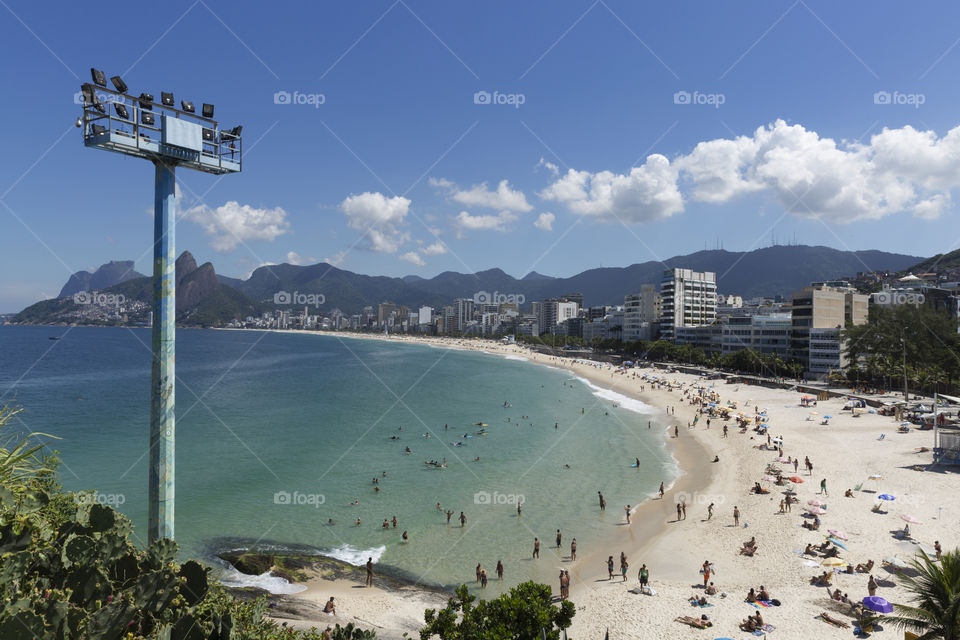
(761, 333)
(818, 315)
(552, 312)
(641, 312)
(463, 310)
(687, 299)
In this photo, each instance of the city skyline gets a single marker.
(391, 140)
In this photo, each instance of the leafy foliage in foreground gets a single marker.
(68, 569)
(525, 612)
(935, 612)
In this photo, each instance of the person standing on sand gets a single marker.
(499, 570)
(872, 586)
(661, 490)
(683, 506)
(724, 431)
(536, 547)
(705, 570)
(676, 431)
(627, 509)
(823, 487)
(796, 463)
(678, 512)
(573, 550)
(610, 567)
(603, 503)
(370, 572)
(643, 576)
(710, 511)
(736, 516)
(558, 538)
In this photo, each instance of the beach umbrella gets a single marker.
(896, 562)
(828, 417)
(876, 476)
(838, 543)
(833, 562)
(886, 496)
(839, 535)
(796, 479)
(769, 479)
(816, 503)
(817, 511)
(909, 518)
(878, 604)
(784, 459)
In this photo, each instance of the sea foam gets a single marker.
(626, 402)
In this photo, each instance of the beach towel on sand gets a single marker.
(761, 604)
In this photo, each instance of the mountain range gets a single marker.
(205, 298)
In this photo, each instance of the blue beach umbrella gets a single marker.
(886, 496)
(838, 543)
(878, 604)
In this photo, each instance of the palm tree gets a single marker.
(935, 614)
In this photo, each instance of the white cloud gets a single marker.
(545, 221)
(380, 218)
(549, 166)
(436, 249)
(294, 258)
(468, 222)
(232, 224)
(502, 199)
(649, 192)
(898, 170)
(413, 258)
(337, 259)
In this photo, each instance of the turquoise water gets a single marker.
(277, 433)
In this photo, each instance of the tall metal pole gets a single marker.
(162, 417)
(903, 344)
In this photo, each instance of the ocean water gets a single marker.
(279, 433)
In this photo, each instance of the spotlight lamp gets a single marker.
(89, 93)
(146, 101)
(121, 110)
(207, 110)
(119, 84)
(187, 106)
(98, 77)
(166, 99)
(146, 118)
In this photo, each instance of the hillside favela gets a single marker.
(500, 321)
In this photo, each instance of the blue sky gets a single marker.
(401, 171)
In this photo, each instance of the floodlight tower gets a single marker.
(169, 138)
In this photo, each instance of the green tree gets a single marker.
(522, 614)
(935, 610)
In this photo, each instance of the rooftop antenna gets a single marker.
(169, 138)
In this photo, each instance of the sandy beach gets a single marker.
(845, 453)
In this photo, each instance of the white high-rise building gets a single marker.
(425, 316)
(687, 299)
(641, 313)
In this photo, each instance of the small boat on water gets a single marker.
(53, 338)
(480, 424)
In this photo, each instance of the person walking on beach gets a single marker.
(808, 465)
(872, 586)
(736, 516)
(710, 511)
(661, 490)
(603, 503)
(483, 579)
(370, 572)
(627, 509)
(679, 511)
(644, 576)
(573, 550)
(823, 487)
(463, 520)
(705, 570)
(683, 506)
(724, 431)
(536, 547)
(499, 570)
(623, 566)
(610, 567)
(676, 431)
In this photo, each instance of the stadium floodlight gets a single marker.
(98, 77)
(184, 139)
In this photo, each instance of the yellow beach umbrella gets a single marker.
(833, 562)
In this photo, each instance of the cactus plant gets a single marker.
(195, 582)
